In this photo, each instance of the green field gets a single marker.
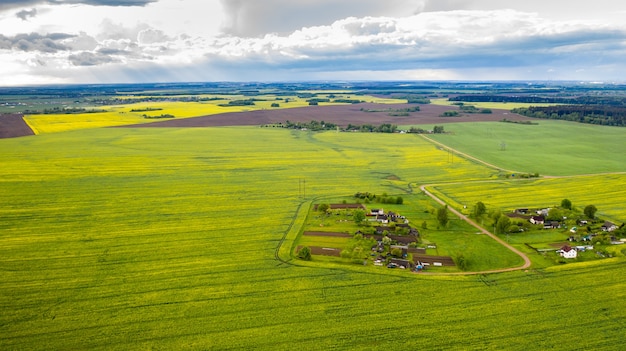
(490, 105)
(153, 238)
(549, 148)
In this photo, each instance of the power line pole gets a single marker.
(302, 188)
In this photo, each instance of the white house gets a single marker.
(537, 219)
(567, 252)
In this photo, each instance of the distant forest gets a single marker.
(593, 114)
(534, 99)
(602, 110)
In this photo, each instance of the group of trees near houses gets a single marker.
(384, 198)
(365, 128)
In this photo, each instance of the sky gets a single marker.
(145, 41)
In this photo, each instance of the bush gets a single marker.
(305, 253)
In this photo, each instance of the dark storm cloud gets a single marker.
(35, 42)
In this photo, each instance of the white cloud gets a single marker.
(164, 40)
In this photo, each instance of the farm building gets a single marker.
(551, 225)
(376, 212)
(537, 219)
(608, 227)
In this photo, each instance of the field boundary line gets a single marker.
(466, 156)
(291, 233)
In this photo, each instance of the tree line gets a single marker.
(592, 114)
(534, 99)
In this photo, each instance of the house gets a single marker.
(608, 227)
(537, 219)
(567, 252)
(582, 222)
(551, 225)
(401, 263)
(543, 212)
(521, 211)
(573, 230)
(376, 212)
(382, 218)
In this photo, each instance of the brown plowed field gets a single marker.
(332, 234)
(341, 115)
(13, 126)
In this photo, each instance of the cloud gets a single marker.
(429, 40)
(10, 4)
(49, 43)
(253, 18)
(442, 44)
(152, 36)
(90, 59)
(105, 2)
(25, 14)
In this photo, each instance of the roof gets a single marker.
(566, 248)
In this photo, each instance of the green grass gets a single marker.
(550, 148)
(124, 239)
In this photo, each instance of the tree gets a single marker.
(461, 261)
(503, 224)
(567, 204)
(323, 207)
(479, 209)
(590, 211)
(424, 225)
(305, 253)
(555, 214)
(495, 216)
(396, 252)
(386, 240)
(442, 216)
(359, 216)
(399, 200)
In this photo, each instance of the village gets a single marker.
(385, 238)
(382, 238)
(580, 236)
